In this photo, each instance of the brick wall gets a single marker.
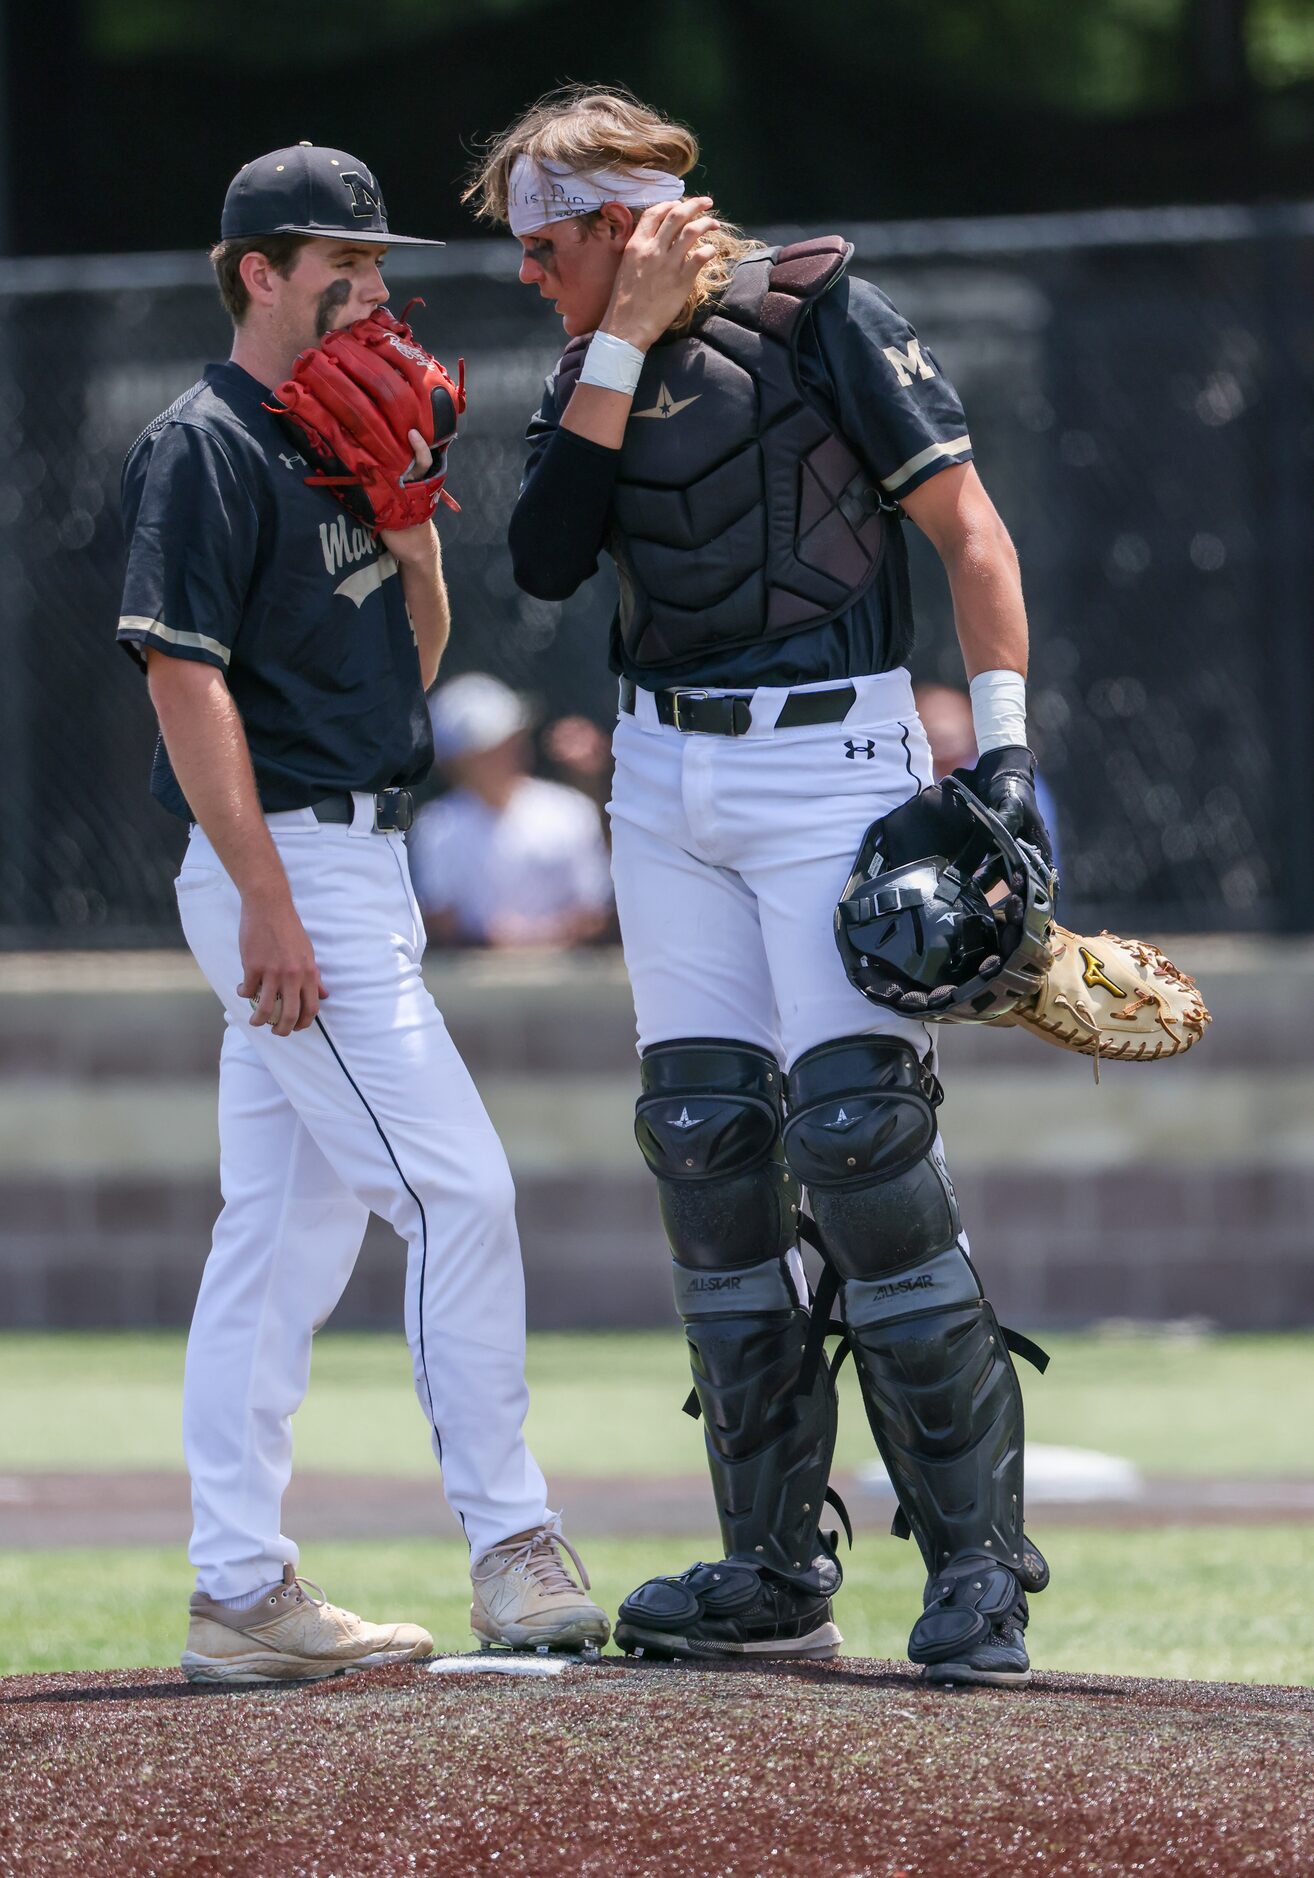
(1172, 1190)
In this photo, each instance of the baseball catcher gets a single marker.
(746, 431)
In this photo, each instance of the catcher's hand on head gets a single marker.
(374, 414)
(670, 242)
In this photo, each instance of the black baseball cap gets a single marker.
(309, 189)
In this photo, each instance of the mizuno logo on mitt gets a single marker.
(1094, 973)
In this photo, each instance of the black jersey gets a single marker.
(865, 367)
(235, 562)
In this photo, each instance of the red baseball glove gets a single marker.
(351, 402)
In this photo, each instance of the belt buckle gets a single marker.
(681, 697)
(735, 714)
(394, 811)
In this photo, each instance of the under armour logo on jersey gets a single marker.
(866, 748)
(666, 405)
(366, 200)
(291, 462)
(686, 1120)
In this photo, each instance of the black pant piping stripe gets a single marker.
(907, 757)
(424, 1223)
(907, 753)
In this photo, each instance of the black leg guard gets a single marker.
(937, 1380)
(944, 1404)
(708, 1124)
(768, 1449)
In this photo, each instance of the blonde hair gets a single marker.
(595, 127)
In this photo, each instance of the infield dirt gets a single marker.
(847, 1768)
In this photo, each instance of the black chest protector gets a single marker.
(740, 513)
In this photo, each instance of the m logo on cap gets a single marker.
(366, 201)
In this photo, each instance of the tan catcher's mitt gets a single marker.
(1117, 998)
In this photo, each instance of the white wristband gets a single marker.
(999, 710)
(614, 364)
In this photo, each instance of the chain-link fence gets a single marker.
(1140, 390)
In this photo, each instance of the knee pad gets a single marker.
(708, 1125)
(860, 1135)
(861, 1110)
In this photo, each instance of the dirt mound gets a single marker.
(851, 1768)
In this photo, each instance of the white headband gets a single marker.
(540, 193)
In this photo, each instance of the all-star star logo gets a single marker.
(842, 1120)
(666, 405)
(686, 1120)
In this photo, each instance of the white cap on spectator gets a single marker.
(474, 713)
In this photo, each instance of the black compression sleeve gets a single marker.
(560, 521)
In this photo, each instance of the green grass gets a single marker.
(1213, 1603)
(609, 1404)
(1220, 1605)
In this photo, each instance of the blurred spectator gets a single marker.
(946, 715)
(580, 752)
(504, 858)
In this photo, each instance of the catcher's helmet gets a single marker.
(946, 913)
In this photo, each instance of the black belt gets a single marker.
(394, 810)
(715, 715)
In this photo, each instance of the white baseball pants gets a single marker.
(369, 1110)
(729, 854)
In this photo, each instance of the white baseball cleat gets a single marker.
(525, 1597)
(290, 1636)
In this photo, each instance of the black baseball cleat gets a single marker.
(730, 1609)
(975, 1614)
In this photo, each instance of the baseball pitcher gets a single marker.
(285, 596)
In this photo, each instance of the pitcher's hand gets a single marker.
(279, 973)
